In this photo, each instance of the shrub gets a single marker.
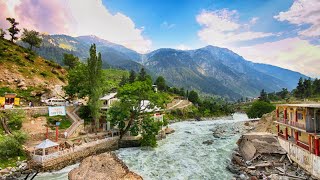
(44, 74)
(259, 108)
(15, 119)
(11, 146)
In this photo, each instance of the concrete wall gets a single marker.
(76, 156)
(304, 158)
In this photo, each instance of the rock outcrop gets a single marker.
(106, 166)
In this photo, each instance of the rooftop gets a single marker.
(301, 105)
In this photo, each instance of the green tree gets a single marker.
(142, 75)
(307, 84)
(193, 97)
(130, 114)
(316, 86)
(13, 30)
(95, 84)
(259, 108)
(299, 92)
(70, 60)
(284, 93)
(78, 81)
(124, 80)
(264, 96)
(132, 76)
(161, 83)
(31, 37)
(2, 33)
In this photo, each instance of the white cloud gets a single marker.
(291, 53)
(77, 17)
(220, 28)
(254, 20)
(166, 25)
(183, 47)
(303, 12)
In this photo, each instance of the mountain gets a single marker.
(210, 70)
(117, 56)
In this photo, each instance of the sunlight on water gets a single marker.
(181, 155)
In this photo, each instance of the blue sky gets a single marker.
(284, 33)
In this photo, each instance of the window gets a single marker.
(300, 116)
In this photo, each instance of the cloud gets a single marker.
(303, 12)
(166, 25)
(254, 20)
(183, 47)
(220, 28)
(77, 17)
(291, 53)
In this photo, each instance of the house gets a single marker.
(9, 100)
(298, 127)
(108, 100)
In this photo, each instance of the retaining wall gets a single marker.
(304, 158)
(79, 153)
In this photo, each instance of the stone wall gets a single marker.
(76, 156)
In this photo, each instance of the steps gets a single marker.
(76, 121)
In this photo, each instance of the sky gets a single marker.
(284, 33)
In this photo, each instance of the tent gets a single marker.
(45, 145)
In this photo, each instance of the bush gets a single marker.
(44, 74)
(15, 119)
(259, 108)
(11, 146)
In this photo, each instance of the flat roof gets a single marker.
(301, 105)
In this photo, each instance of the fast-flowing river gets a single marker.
(182, 155)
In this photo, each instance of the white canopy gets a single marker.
(46, 144)
(108, 96)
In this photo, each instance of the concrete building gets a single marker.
(299, 132)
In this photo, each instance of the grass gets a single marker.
(64, 121)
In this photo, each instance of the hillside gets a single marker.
(27, 74)
(210, 70)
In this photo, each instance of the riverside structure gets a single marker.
(298, 128)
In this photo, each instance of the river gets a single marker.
(182, 155)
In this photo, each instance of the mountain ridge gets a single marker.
(210, 69)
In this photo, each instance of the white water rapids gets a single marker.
(182, 155)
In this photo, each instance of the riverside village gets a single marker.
(159, 90)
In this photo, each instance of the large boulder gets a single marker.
(106, 166)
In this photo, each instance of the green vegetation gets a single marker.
(259, 108)
(13, 30)
(70, 60)
(129, 114)
(31, 37)
(11, 144)
(64, 121)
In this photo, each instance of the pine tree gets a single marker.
(123, 81)
(95, 89)
(264, 96)
(307, 84)
(142, 75)
(132, 76)
(299, 93)
(13, 30)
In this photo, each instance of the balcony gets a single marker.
(292, 123)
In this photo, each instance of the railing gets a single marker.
(282, 136)
(42, 159)
(292, 123)
(77, 121)
(303, 145)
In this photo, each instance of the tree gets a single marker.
(124, 80)
(284, 93)
(78, 81)
(161, 83)
(193, 97)
(130, 113)
(2, 33)
(259, 108)
(307, 84)
(264, 96)
(299, 93)
(70, 60)
(132, 76)
(316, 86)
(142, 75)
(31, 37)
(13, 30)
(95, 84)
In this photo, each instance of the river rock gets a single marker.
(208, 142)
(169, 130)
(106, 166)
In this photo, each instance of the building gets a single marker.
(298, 128)
(9, 100)
(108, 100)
